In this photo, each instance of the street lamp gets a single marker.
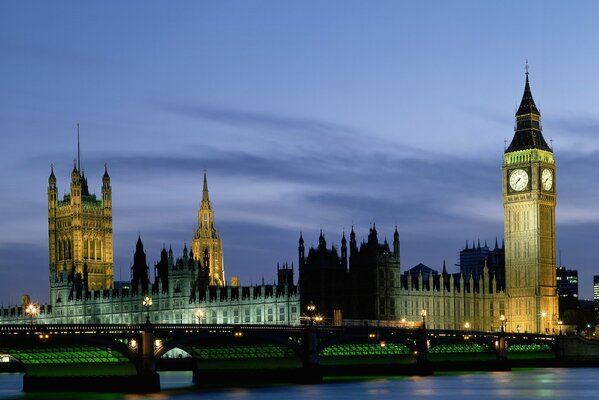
(518, 328)
(543, 316)
(559, 323)
(147, 302)
(467, 325)
(199, 313)
(502, 319)
(423, 315)
(311, 309)
(32, 310)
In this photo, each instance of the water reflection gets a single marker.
(525, 384)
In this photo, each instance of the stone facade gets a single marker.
(188, 289)
(529, 199)
(376, 290)
(80, 228)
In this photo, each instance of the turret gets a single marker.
(396, 243)
(322, 243)
(353, 246)
(75, 185)
(106, 189)
(139, 269)
(372, 236)
(301, 251)
(343, 251)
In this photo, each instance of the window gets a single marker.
(270, 315)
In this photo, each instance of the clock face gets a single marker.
(518, 180)
(547, 179)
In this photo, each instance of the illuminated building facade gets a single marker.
(374, 288)
(80, 229)
(529, 199)
(187, 289)
(206, 240)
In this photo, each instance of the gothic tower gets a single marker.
(206, 238)
(80, 229)
(529, 198)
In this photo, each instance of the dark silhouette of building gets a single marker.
(139, 270)
(323, 277)
(473, 260)
(359, 292)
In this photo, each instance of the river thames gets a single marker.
(557, 383)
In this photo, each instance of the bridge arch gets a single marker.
(205, 346)
(71, 355)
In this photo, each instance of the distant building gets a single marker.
(596, 290)
(567, 282)
(374, 289)
(472, 260)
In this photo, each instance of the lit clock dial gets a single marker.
(518, 180)
(547, 179)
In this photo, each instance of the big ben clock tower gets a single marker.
(529, 193)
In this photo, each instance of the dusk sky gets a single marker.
(306, 115)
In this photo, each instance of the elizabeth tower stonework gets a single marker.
(529, 198)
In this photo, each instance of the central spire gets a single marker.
(528, 133)
(527, 105)
(205, 197)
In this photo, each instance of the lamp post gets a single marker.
(32, 310)
(543, 320)
(559, 323)
(147, 302)
(423, 315)
(311, 309)
(199, 313)
(502, 319)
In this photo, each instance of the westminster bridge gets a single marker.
(125, 357)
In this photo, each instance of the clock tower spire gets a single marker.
(529, 199)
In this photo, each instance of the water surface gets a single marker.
(558, 383)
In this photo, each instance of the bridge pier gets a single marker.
(310, 366)
(148, 373)
(422, 347)
(501, 347)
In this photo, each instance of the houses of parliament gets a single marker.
(363, 282)
(187, 289)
